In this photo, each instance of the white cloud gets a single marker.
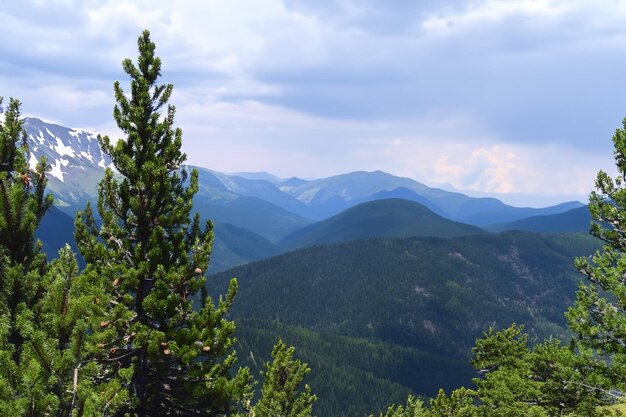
(487, 169)
(515, 169)
(492, 95)
(491, 12)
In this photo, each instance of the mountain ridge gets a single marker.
(77, 163)
(572, 221)
(267, 207)
(387, 218)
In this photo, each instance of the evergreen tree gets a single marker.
(460, 403)
(59, 346)
(159, 356)
(281, 395)
(22, 206)
(23, 203)
(599, 313)
(507, 388)
(414, 408)
(548, 379)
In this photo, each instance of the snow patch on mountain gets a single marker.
(76, 133)
(63, 149)
(41, 138)
(309, 195)
(32, 161)
(87, 156)
(56, 170)
(75, 160)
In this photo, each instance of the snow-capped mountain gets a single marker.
(77, 164)
(74, 156)
(251, 212)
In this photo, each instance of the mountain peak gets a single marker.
(387, 218)
(74, 157)
(64, 148)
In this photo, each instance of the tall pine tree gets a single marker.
(159, 356)
(23, 204)
(599, 314)
(24, 390)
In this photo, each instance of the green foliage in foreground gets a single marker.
(281, 395)
(121, 338)
(24, 384)
(353, 376)
(598, 316)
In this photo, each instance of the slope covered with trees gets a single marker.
(435, 294)
(381, 218)
(576, 220)
(418, 304)
(353, 376)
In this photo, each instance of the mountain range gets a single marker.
(266, 215)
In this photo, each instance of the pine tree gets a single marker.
(414, 408)
(281, 395)
(59, 347)
(159, 356)
(460, 403)
(599, 313)
(22, 206)
(548, 379)
(23, 203)
(507, 388)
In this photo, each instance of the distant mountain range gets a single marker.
(571, 221)
(249, 208)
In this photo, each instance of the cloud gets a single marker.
(287, 142)
(484, 169)
(515, 169)
(531, 71)
(313, 88)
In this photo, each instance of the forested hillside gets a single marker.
(432, 297)
(577, 220)
(353, 376)
(389, 218)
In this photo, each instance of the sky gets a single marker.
(512, 98)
